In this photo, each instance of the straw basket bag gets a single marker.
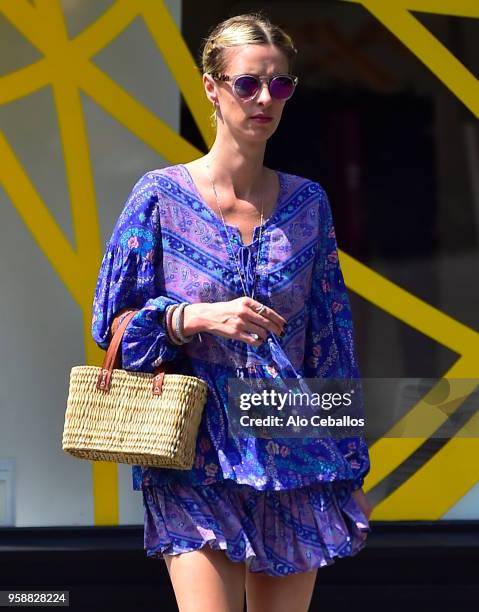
(133, 417)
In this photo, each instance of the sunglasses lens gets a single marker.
(246, 86)
(282, 87)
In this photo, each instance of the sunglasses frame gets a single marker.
(217, 76)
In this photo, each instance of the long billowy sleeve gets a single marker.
(130, 276)
(330, 346)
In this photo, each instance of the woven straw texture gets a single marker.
(128, 423)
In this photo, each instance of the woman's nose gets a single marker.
(264, 97)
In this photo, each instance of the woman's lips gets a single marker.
(262, 119)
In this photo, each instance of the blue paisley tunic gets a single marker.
(168, 246)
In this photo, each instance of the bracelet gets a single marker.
(175, 337)
(179, 324)
(169, 326)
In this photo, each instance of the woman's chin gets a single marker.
(259, 133)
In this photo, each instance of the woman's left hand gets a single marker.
(362, 501)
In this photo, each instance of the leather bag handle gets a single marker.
(112, 357)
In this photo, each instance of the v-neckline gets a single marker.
(235, 228)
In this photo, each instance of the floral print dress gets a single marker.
(280, 505)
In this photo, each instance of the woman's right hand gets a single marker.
(235, 319)
(363, 502)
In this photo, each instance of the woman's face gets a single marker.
(235, 114)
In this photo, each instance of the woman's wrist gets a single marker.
(192, 322)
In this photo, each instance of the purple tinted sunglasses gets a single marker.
(247, 86)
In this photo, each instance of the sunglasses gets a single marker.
(247, 86)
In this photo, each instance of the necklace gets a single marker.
(240, 272)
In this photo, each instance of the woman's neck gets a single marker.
(241, 172)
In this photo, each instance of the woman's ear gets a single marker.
(210, 89)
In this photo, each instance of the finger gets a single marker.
(228, 331)
(249, 339)
(269, 313)
(243, 328)
(244, 323)
(247, 316)
(266, 319)
(268, 324)
(256, 329)
(255, 306)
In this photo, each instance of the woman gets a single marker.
(234, 269)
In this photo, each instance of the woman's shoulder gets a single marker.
(141, 204)
(149, 186)
(303, 188)
(300, 180)
(154, 175)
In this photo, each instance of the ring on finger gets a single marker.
(260, 309)
(254, 336)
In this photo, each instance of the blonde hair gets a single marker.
(246, 29)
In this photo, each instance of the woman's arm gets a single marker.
(129, 277)
(329, 348)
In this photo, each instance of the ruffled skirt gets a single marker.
(274, 532)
